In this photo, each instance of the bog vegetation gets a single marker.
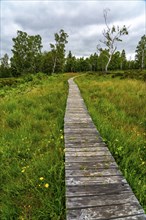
(118, 109)
(32, 148)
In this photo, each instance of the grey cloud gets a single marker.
(82, 20)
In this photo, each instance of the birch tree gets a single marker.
(111, 35)
(26, 50)
(141, 52)
(58, 50)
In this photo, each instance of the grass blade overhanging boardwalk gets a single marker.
(95, 188)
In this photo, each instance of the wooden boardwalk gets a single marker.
(95, 188)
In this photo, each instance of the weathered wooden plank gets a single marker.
(98, 159)
(77, 110)
(135, 217)
(90, 172)
(80, 134)
(82, 131)
(100, 200)
(94, 180)
(88, 137)
(72, 126)
(103, 189)
(77, 113)
(73, 103)
(88, 154)
(86, 145)
(106, 213)
(77, 125)
(85, 149)
(72, 117)
(74, 111)
(77, 120)
(80, 141)
(85, 140)
(90, 165)
(72, 107)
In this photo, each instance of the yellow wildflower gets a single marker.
(46, 185)
(61, 137)
(41, 178)
(22, 171)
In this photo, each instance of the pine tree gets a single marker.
(123, 60)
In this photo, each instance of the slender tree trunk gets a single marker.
(54, 65)
(121, 65)
(142, 60)
(109, 60)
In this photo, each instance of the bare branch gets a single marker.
(111, 36)
(105, 14)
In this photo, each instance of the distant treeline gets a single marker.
(28, 57)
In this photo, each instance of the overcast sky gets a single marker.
(81, 19)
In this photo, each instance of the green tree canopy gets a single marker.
(70, 65)
(123, 60)
(102, 59)
(58, 51)
(5, 61)
(5, 67)
(26, 51)
(94, 61)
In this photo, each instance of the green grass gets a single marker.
(118, 109)
(32, 148)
